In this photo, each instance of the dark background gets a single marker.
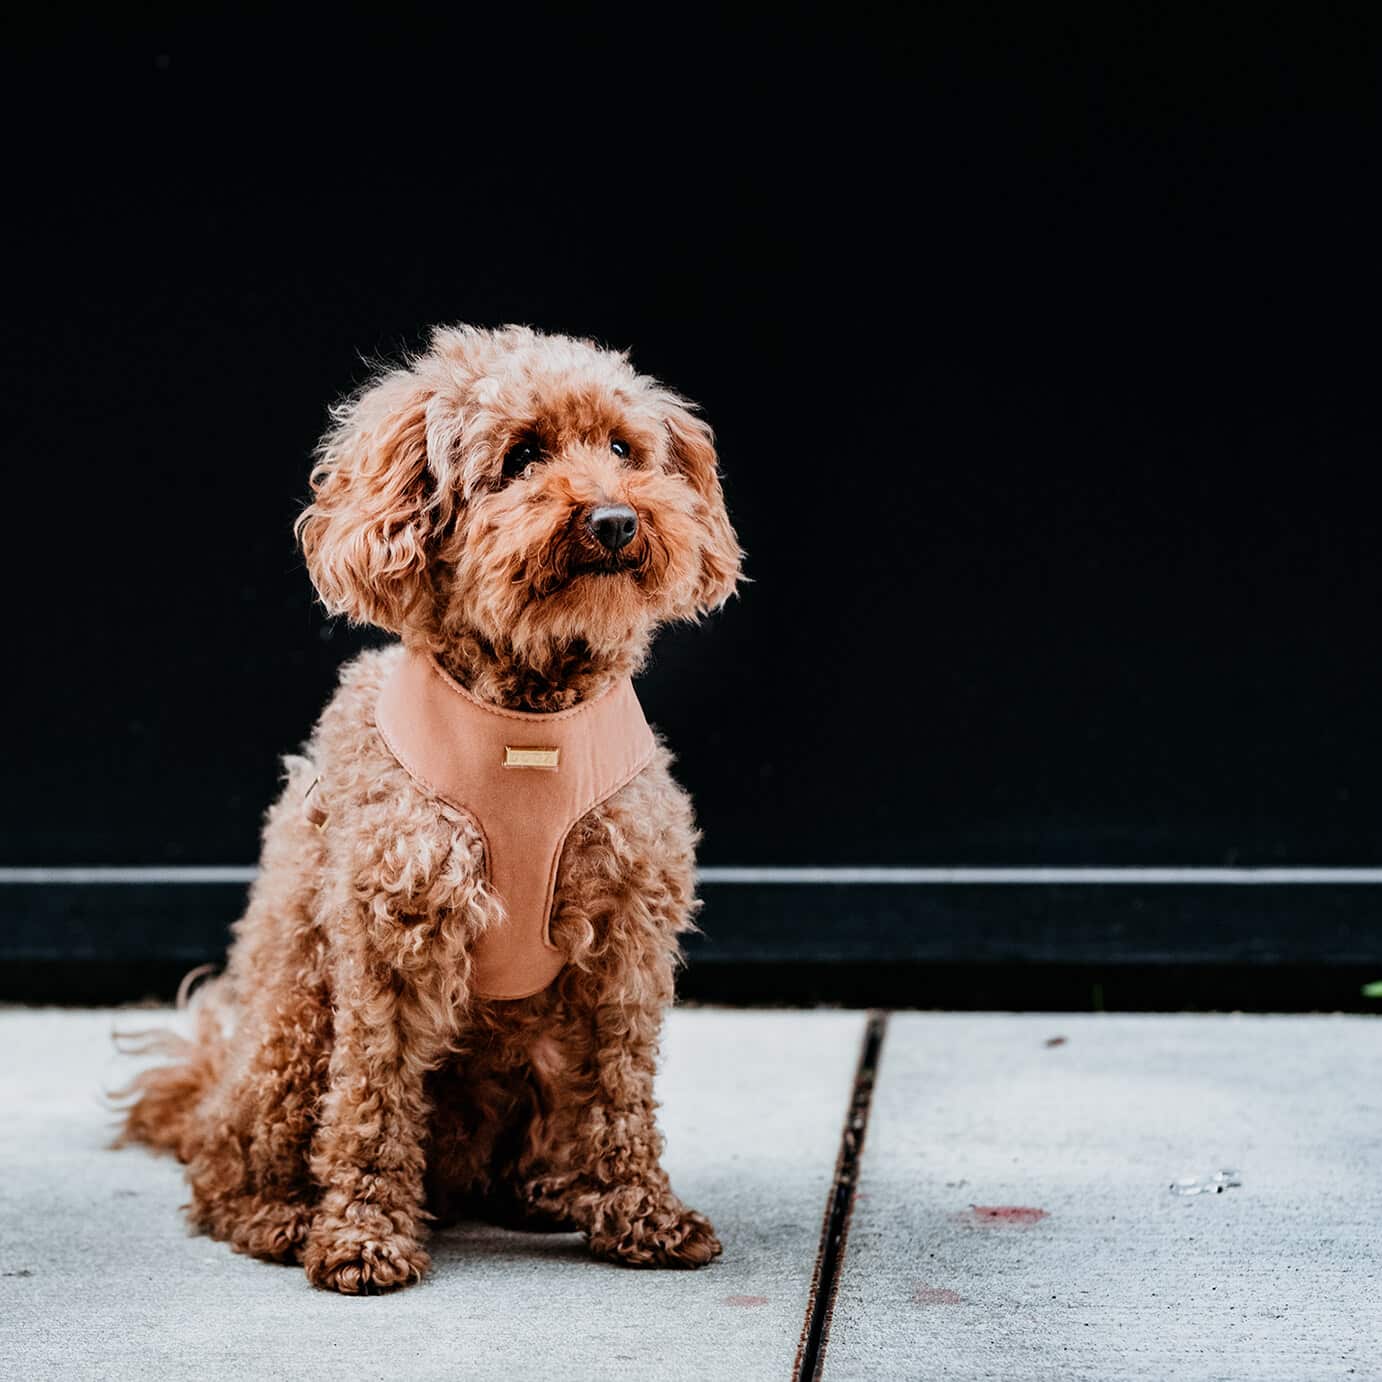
(1043, 354)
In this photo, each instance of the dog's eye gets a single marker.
(520, 456)
(620, 448)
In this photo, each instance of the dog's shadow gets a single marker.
(472, 1240)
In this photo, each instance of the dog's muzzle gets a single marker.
(613, 526)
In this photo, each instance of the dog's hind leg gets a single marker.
(250, 1180)
(484, 1120)
(470, 1108)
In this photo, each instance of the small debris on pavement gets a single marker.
(1213, 1184)
(1003, 1215)
(1056, 1041)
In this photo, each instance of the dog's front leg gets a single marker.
(605, 1171)
(367, 1154)
(401, 918)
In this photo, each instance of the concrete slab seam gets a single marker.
(825, 1278)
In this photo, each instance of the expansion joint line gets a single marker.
(825, 1281)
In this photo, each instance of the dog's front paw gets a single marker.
(357, 1261)
(673, 1236)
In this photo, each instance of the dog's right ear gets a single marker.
(365, 533)
(693, 451)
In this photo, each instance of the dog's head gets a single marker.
(531, 489)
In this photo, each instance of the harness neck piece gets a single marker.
(524, 779)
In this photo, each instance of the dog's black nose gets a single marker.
(613, 525)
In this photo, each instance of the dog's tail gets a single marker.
(159, 1106)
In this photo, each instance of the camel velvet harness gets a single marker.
(524, 779)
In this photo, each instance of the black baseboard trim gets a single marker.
(1039, 947)
(973, 988)
(1036, 987)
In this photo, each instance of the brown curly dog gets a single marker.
(346, 1083)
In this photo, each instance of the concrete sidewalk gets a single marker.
(1014, 1217)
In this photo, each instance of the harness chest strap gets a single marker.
(524, 779)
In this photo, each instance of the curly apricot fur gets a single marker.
(343, 1086)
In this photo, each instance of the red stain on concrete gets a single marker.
(744, 1300)
(1005, 1215)
(936, 1295)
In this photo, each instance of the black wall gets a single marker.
(1043, 355)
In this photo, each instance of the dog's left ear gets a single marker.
(693, 453)
(366, 533)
